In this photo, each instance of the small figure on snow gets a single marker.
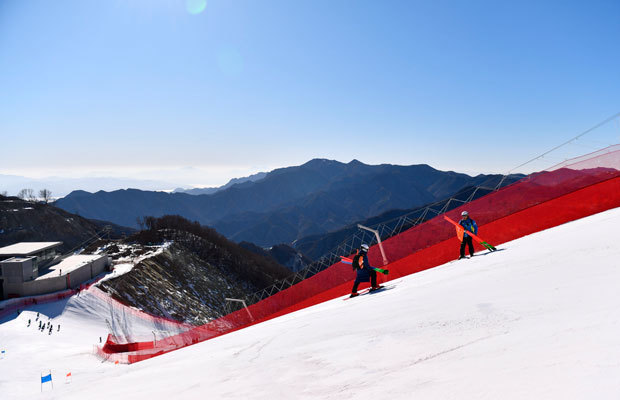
(469, 225)
(365, 272)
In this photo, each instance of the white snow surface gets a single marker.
(539, 319)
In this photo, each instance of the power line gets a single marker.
(608, 119)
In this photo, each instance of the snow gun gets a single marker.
(347, 260)
(460, 231)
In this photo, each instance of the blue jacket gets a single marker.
(469, 225)
(363, 274)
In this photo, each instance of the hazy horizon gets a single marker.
(156, 179)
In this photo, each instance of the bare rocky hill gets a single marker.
(182, 270)
(22, 220)
(189, 280)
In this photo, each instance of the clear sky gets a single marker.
(199, 92)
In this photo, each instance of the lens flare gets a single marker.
(195, 7)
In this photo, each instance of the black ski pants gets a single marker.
(373, 281)
(467, 240)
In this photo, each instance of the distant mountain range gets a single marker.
(60, 187)
(282, 253)
(211, 190)
(287, 203)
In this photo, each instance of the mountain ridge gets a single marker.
(288, 203)
(234, 181)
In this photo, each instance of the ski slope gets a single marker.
(538, 319)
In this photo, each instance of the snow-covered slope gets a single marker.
(539, 319)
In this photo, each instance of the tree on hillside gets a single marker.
(27, 194)
(140, 222)
(209, 244)
(45, 195)
(4, 193)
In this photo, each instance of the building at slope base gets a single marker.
(34, 268)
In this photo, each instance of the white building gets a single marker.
(27, 270)
(44, 252)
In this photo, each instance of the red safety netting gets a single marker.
(7, 307)
(572, 190)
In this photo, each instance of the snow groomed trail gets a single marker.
(538, 319)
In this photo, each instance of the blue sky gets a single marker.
(199, 92)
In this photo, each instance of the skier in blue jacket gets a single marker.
(470, 226)
(365, 272)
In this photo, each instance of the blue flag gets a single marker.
(46, 378)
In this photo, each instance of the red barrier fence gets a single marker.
(539, 201)
(7, 307)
